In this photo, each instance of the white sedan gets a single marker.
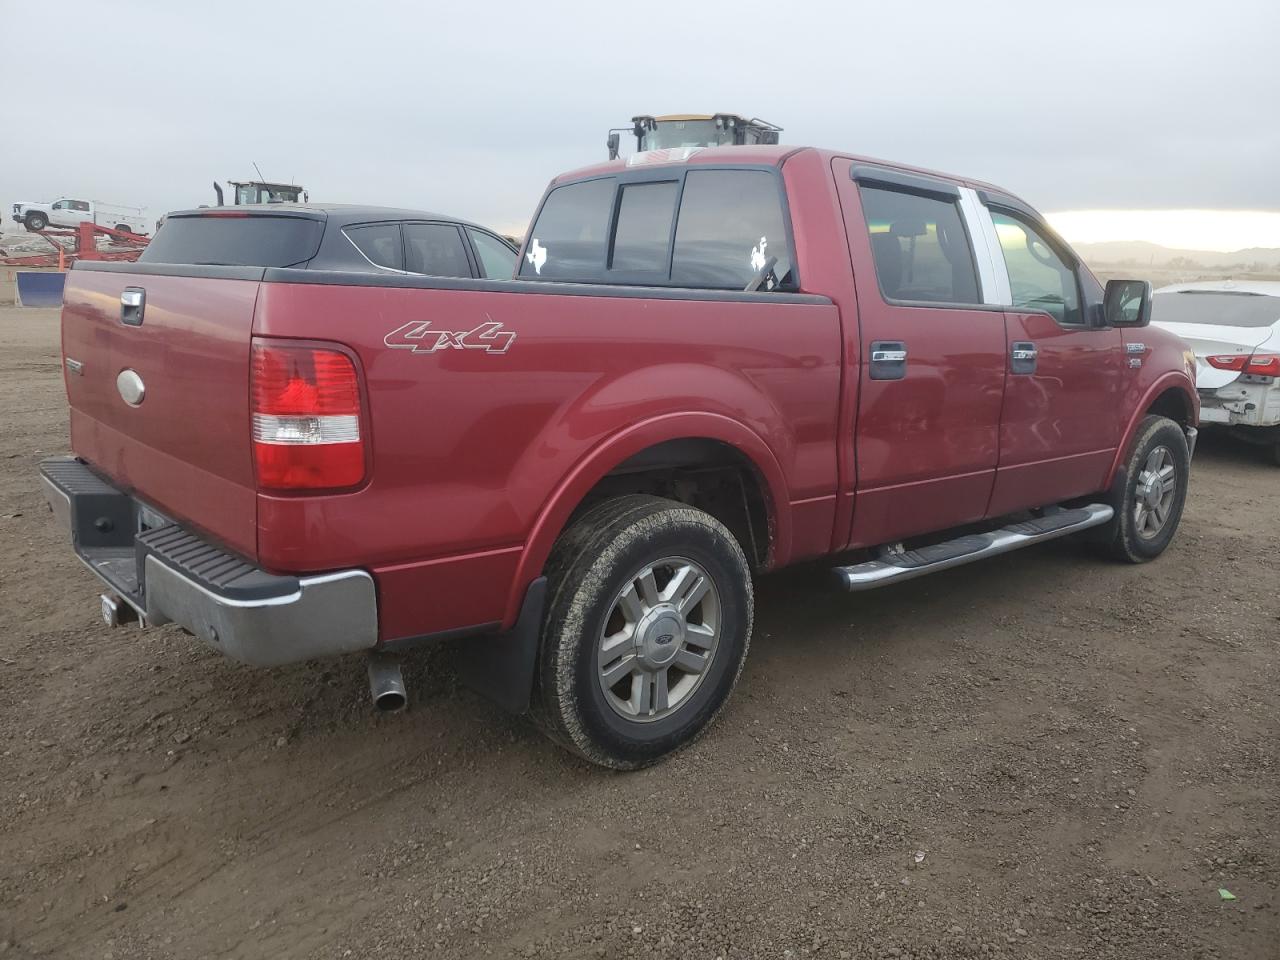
(1234, 329)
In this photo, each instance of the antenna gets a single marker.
(260, 176)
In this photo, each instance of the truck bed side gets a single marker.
(473, 443)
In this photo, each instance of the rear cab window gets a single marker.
(242, 240)
(570, 238)
(709, 228)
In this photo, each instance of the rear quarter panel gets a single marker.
(473, 451)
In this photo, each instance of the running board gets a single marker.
(909, 564)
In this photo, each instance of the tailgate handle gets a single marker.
(133, 301)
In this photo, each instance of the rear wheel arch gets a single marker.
(674, 446)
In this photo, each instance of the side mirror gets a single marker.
(613, 143)
(1127, 303)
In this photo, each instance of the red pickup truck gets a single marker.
(711, 363)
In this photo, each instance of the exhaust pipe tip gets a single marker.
(116, 612)
(386, 683)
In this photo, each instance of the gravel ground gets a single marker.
(1041, 756)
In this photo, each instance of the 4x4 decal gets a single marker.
(420, 337)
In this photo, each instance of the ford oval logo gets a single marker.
(663, 640)
(132, 390)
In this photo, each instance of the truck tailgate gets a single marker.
(184, 446)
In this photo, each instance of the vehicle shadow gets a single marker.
(1220, 446)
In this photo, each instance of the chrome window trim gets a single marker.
(992, 271)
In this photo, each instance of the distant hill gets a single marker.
(1142, 254)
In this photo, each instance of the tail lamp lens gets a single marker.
(306, 418)
(1264, 365)
(1260, 364)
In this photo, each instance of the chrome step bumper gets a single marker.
(907, 565)
(168, 574)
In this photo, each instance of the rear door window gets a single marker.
(380, 244)
(497, 260)
(570, 239)
(731, 222)
(921, 251)
(642, 238)
(242, 240)
(436, 250)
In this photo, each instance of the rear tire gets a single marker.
(1154, 492)
(1275, 454)
(125, 227)
(35, 221)
(647, 627)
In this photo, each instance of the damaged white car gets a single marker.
(1234, 329)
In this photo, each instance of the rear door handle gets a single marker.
(1022, 357)
(888, 360)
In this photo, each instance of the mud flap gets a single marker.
(500, 668)
(1114, 498)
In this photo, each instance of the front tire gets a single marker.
(36, 221)
(647, 627)
(1155, 490)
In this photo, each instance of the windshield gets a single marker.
(260, 193)
(685, 133)
(1218, 307)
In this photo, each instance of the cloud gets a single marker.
(469, 109)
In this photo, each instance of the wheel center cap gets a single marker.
(1149, 490)
(659, 636)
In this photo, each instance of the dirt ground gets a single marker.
(1044, 755)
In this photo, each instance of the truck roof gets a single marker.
(773, 155)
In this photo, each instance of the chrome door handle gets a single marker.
(1022, 357)
(888, 356)
(888, 360)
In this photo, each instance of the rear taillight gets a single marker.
(1263, 365)
(1260, 364)
(1231, 362)
(306, 418)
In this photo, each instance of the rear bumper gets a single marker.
(1247, 402)
(170, 575)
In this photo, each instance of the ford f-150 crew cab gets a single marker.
(711, 363)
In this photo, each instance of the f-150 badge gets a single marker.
(420, 337)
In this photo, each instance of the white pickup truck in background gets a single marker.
(68, 212)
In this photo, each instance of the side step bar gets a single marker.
(907, 565)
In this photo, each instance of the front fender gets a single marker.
(1145, 397)
(617, 448)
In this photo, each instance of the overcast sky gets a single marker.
(469, 108)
